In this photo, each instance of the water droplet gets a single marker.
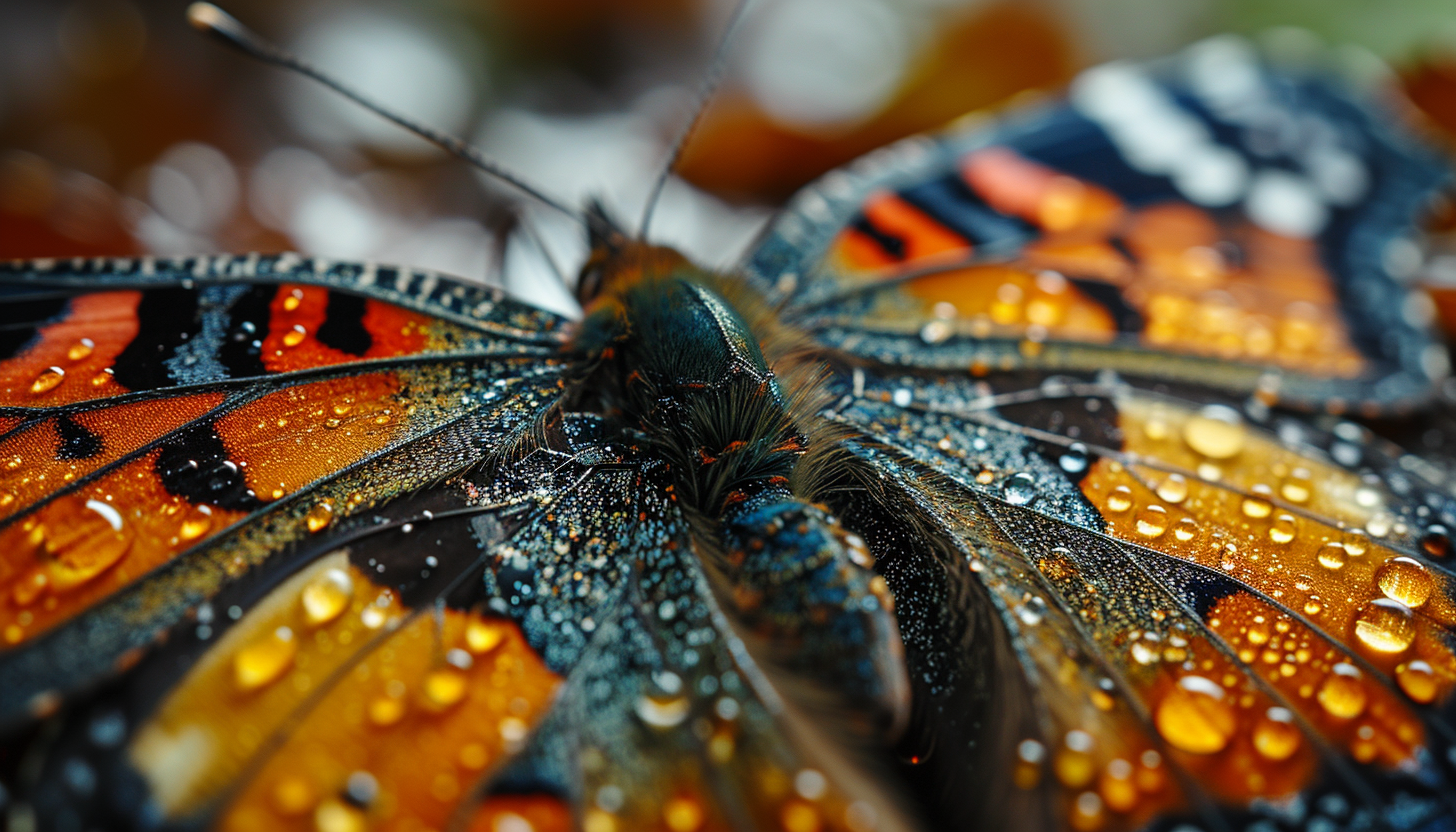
(935, 332)
(1185, 529)
(443, 688)
(1256, 504)
(196, 524)
(1436, 542)
(1195, 717)
(1120, 499)
(264, 661)
(1283, 529)
(336, 816)
(683, 814)
(1418, 680)
(1074, 764)
(1173, 489)
(1152, 521)
(1019, 489)
(290, 303)
(1298, 487)
(326, 596)
(1276, 737)
(80, 540)
(81, 350)
(1074, 459)
(48, 380)
(1332, 555)
(1217, 432)
(1385, 626)
(1405, 580)
(1117, 788)
(294, 336)
(320, 516)
(1356, 542)
(1342, 693)
(484, 636)
(386, 710)
(663, 711)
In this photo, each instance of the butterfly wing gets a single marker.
(1143, 592)
(1250, 228)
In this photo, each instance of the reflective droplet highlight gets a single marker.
(1283, 529)
(1332, 556)
(1173, 489)
(1019, 489)
(320, 516)
(1405, 580)
(1342, 693)
(1217, 432)
(48, 380)
(1120, 499)
(327, 596)
(1195, 717)
(1276, 737)
(1152, 521)
(264, 661)
(1418, 680)
(1385, 626)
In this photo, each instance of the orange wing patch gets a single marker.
(70, 360)
(82, 547)
(298, 312)
(291, 437)
(396, 744)
(34, 463)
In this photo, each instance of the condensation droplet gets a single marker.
(1217, 432)
(1195, 717)
(1186, 529)
(1298, 487)
(264, 661)
(663, 711)
(1120, 499)
(1283, 529)
(320, 516)
(1152, 521)
(1342, 693)
(1256, 504)
(484, 636)
(1356, 542)
(48, 380)
(294, 336)
(1385, 626)
(1074, 459)
(196, 524)
(1019, 489)
(1173, 489)
(443, 688)
(1405, 580)
(1276, 737)
(81, 350)
(327, 596)
(1418, 680)
(1332, 556)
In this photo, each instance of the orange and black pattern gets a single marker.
(1121, 404)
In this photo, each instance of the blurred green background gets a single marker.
(123, 130)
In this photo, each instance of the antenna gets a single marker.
(210, 18)
(709, 85)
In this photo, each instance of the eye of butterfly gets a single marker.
(1050, 472)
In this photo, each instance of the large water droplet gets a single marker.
(294, 336)
(1256, 504)
(1356, 542)
(47, 380)
(80, 541)
(1074, 459)
(1405, 580)
(484, 636)
(1332, 555)
(261, 663)
(327, 596)
(443, 688)
(1276, 737)
(1385, 626)
(1418, 680)
(1173, 489)
(1298, 487)
(1195, 717)
(1185, 529)
(1436, 542)
(196, 524)
(663, 711)
(80, 350)
(1283, 529)
(1019, 489)
(1120, 499)
(1217, 432)
(1342, 693)
(1152, 521)
(320, 516)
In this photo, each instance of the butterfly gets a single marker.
(1017, 480)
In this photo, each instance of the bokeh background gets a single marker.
(122, 130)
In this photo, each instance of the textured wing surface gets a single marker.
(1205, 218)
(171, 426)
(1210, 619)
